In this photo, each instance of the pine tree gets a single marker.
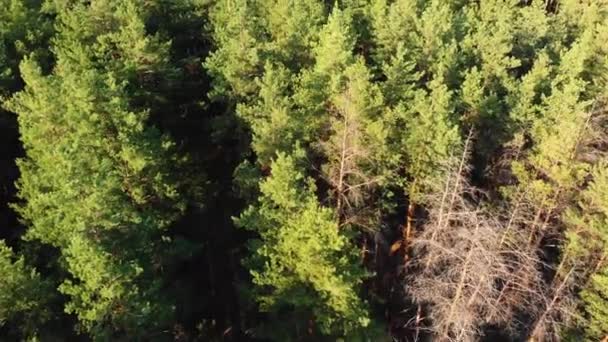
(239, 58)
(497, 65)
(344, 116)
(23, 30)
(355, 148)
(272, 117)
(596, 305)
(293, 27)
(302, 260)
(490, 75)
(456, 260)
(249, 34)
(333, 54)
(395, 51)
(326, 94)
(587, 241)
(562, 128)
(423, 137)
(417, 51)
(432, 135)
(275, 40)
(23, 295)
(97, 180)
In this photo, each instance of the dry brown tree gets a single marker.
(521, 287)
(533, 215)
(558, 304)
(459, 262)
(350, 152)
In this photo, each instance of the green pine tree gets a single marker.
(293, 27)
(302, 262)
(24, 296)
(239, 35)
(333, 53)
(97, 181)
(557, 115)
(587, 241)
(272, 117)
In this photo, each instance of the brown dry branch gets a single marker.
(559, 305)
(454, 186)
(462, 266)
(348, 155)
(552, 303)
(522, 285)
(459, 258)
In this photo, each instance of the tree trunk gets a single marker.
(535, 335)
(407, 232)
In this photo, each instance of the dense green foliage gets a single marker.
(101, 184)
(302, 258)
(359, 170)
(24, 295)
(590, 240)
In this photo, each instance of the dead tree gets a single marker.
(550, 303)
(458, 258)
(350, 156)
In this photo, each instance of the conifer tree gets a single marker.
(490, 71)
(345, 116)
(393, 27)
(97, 181)
(562, 131)
(457, 256)
(293, 27)
(23, 30)
(275, 40)
(302, 260)
(588, 243)
(23, 295)
(595, 304)
(337, 96)
(333, 54)
(496, 63)
(249, 34)
(320, 283)
(430, 138)
(416, 49)
(272, 118)
(239, 58)
(355, 148)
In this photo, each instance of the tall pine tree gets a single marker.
(97, 181)
(24, 297)
(302, 264)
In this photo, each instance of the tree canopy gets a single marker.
(295, 170)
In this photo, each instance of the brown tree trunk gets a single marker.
(407, 232)
(535, 335)
(418, 321)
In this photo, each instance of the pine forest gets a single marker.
(304, 170)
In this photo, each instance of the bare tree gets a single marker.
(521, 286)
(549, 301)
(458, 260)
(349, 154)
